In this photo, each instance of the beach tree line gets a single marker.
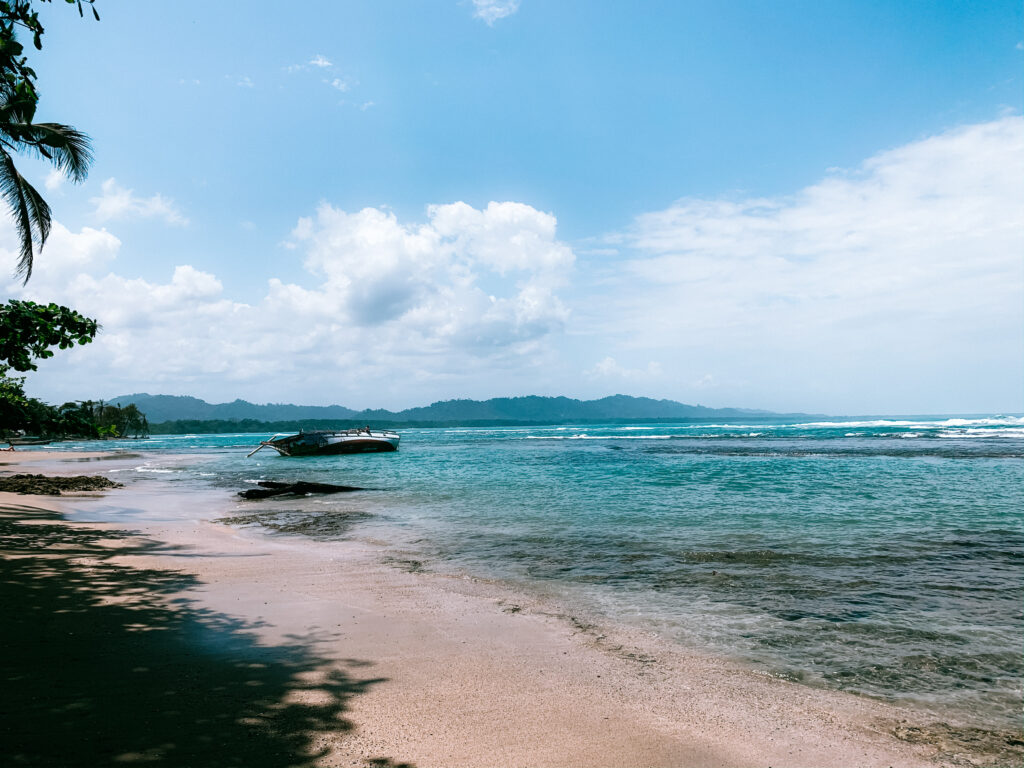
(22, 416)
(29, 332)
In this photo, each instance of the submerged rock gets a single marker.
(272, 488)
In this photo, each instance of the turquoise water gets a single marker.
(884, 557)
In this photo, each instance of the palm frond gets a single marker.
(30, 211)
(64, 146)
(38, 211)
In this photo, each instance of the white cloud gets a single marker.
(893, 268)
(379, 270)
(66, 253)
(245, 82)
(897, 285)
(54, 180)
(120, 202)
(319, 61)
(609, 368)
(491, 11)
(467, 290)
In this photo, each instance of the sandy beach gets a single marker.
(195, 643)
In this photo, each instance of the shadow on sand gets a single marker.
(101, 665)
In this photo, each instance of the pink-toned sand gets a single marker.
(55, 462)
(472, 674)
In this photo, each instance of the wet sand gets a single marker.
(55, 461)
(194, 643)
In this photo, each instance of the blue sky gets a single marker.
(789, 205)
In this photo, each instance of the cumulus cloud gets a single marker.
(66, 254)
(436, 273)
(875, 288)
(320, 61)
(491, 11)
(119, 202)
(464, 290)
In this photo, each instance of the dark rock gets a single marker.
(44, 485)
(273, 488)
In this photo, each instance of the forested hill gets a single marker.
(191, 412)
(534, 408)
(182, 408)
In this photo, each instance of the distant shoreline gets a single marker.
(221, 426)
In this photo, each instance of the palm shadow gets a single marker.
(100, 665)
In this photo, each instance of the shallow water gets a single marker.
(884, 557)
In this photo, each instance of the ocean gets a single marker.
(883, 557)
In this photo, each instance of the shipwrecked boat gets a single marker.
(328, 442)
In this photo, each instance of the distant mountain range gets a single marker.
(164, 408)
(160, 408)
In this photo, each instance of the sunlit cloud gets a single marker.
(887, 270)
(467, 289)
(120, 202)
(54, 181)
(859, 287)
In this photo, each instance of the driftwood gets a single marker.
(272, 488)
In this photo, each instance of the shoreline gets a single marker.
(468, 672)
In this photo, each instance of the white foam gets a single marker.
(993, 421)
(585, 436)
(990, 432)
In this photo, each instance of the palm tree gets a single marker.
(66, 148)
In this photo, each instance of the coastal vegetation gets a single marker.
(80, 419)
(28, 332)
